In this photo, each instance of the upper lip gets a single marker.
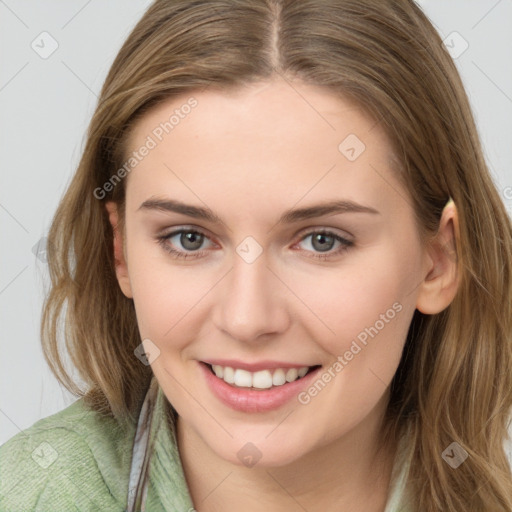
(256, 366)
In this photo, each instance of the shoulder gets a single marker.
(76, 459)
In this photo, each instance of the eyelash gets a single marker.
(162, 240)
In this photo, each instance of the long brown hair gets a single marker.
(454, 383)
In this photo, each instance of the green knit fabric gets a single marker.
(79, 460)
(73, 460)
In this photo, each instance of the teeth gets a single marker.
(279, 377)
(292, 374)
(263, 379)
(243, 378)
(303, 371)
(229, 375)
(219, 371)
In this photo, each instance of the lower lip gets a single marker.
(254, 400)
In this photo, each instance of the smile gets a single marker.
(256, 388)
(262, 379)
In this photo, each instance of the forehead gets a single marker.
(273, 140)
(258, 112)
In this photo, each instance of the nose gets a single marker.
(251, 302)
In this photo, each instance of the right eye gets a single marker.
(190, 239)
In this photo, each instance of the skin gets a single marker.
(249, 156)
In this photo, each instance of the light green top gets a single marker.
(79, 460)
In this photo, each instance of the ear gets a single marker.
(440, 285)
(119, 257)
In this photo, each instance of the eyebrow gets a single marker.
(288, 217)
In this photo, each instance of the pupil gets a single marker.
(321, 237)
(193, 239)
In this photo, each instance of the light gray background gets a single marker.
(46, 105)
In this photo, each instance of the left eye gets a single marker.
(324, 241)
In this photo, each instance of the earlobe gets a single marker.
(121, 265)
(441, 281)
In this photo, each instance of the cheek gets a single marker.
(366, 298)
(168, 298)
(165, 301)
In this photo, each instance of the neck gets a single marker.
(351, 474)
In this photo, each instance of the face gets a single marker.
(266, 235)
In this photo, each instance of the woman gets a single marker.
(285, 271)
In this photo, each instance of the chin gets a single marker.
(259, 449)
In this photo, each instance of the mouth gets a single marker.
(263, 379)
(268, 387)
